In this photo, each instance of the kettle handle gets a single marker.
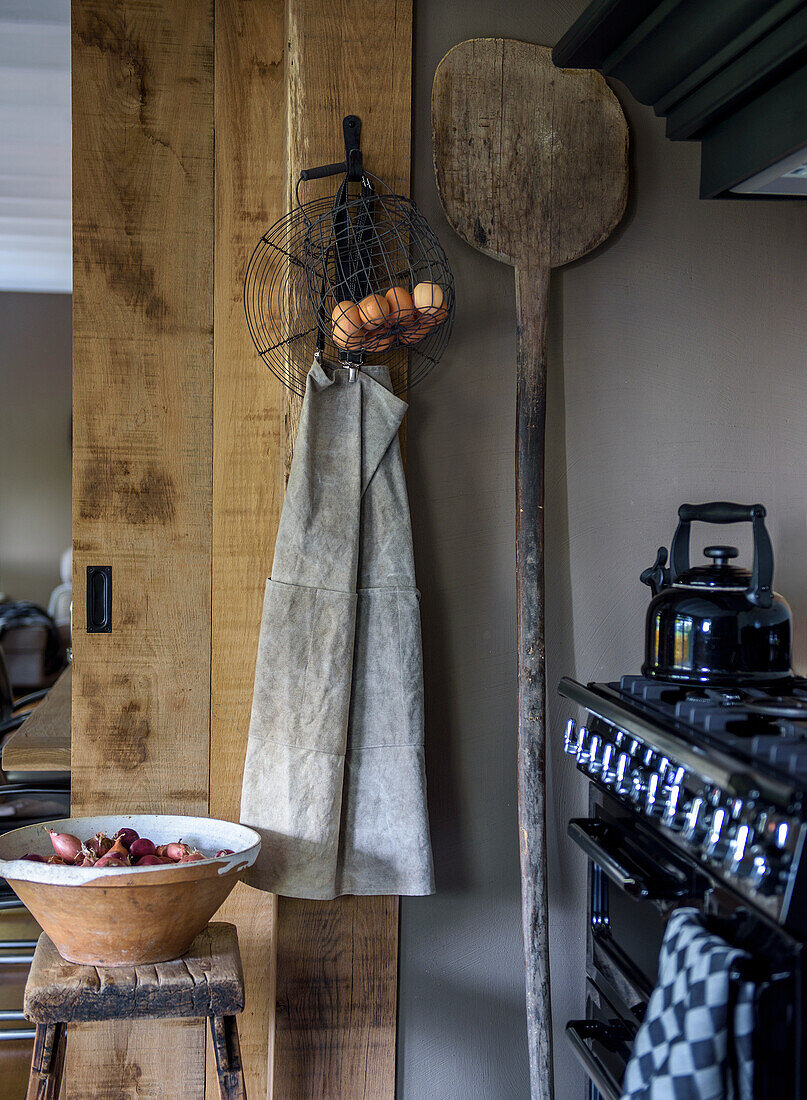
(760, 591)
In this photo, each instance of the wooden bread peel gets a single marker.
(532, 169)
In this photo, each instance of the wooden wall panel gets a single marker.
(181, 442)
(142, 383)
(248, 444)
(337, 961)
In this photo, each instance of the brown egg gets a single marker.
(401, 306)
(415, 332)
(378, 341)
(433, 319)
(346, 322)
(349, 343)
(373, 310)
(428, 298)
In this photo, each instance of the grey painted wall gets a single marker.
(677, 371)
(35, 463)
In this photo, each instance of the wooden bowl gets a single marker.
(109, 917)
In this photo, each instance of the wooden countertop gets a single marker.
(42, 743)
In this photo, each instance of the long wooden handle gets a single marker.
(532, 298)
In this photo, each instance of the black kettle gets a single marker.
(716, 624)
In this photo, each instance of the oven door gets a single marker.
(635, 880)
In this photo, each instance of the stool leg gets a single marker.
(47, 1062)
(224, 1030)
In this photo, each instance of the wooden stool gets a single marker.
(207, 981)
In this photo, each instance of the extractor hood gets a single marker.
(731, 74)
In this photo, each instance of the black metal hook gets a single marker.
(352, 164)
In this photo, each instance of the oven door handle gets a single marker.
(603, 844)
(577, 1031)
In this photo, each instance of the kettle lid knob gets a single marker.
(721, 555)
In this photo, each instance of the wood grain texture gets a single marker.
(207, 981)
(347, 57)
(42, 743)
(248, 443)
(142, 78)
(227, 1050)
(337, 961)
(337, 977)
(47, 1062)
(532, 169)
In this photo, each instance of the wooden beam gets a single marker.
(337, 961)
(248, 445)
(142, 384)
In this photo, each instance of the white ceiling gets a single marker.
(35, 205)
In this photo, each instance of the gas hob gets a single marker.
(719, 773)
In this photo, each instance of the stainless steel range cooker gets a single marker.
(698, 797)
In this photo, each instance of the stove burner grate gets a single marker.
(760, 724)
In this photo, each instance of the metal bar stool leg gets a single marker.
(224, 1030)
(47, 1062)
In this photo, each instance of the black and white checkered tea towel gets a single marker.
(695, 1042)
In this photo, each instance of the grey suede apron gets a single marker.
(334, 777)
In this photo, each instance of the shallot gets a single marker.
(119, 850)
(111, 861)
(65, 845)
(176, 851)
(142, 847)
(126, 837)
(99, 845)
(127, 849)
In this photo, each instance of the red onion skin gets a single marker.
(225, 852)
(99, 845)
(65, 845)
(176, 851)
(111, 861)
(127, 836)
(119, 850)
(192, 857)
(149, 860)
(32, 857)
(58, 861)
(142, 847)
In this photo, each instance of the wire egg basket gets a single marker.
(356, 277)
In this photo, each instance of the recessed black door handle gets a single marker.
(99, 599)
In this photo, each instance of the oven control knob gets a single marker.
(571, 738)
(638, 787)
(583, 751)
(694, 823)
(608, 763)
(673, 817)
(622, 774)
(595, 749)
(737, 855)
(654, 795)
(775, 829)
(760, 874)
(718, 834)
